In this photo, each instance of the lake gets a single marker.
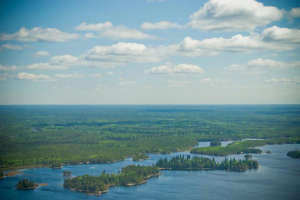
(276, 178)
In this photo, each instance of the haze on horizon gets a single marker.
(150, 52)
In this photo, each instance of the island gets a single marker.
(67, 174)
(215, 143)
(97, 185)
(1, 174)
(140, 157)
(294, 154)
(237, 147)
(182, 162)
(26, 184)
(56, 165)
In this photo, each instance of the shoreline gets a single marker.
(188, 149)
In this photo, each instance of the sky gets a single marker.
(149, 52)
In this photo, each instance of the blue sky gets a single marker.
(149, 52)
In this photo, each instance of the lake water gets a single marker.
(277, 178)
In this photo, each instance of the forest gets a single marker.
(55, 135)
(26, 184)
(129, 176)
(201, 163)
(239, 147)
(294, 154)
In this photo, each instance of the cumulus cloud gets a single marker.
(233, 15)
(39, 34)
(107, 29)
(263, 64)
(123, 52)
(175, 69)
(56, 63)
(11, 47)
(284, 35)
(162, 25)
(283, 81)
(42, 53)
(29, 76)
(273, 38)
(94, 27)
(64, 76)
(295, 12)
(7, 68)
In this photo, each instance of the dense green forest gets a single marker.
(239, 147)
(129, 176)
(294, 154)
(201, 163)
(47, 135)
(26, 184)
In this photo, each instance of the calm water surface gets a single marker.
(277, 178)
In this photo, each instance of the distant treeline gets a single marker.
(247, 146)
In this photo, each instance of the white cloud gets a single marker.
(46, 66)
(56, 63)
(283, 81)
(39, 34)
(175, 69)
(107, 29)
(162, 25)
(295, 12)
(233, 15)
(121, 53)
(64, 76)
(284, 35)
(28, 76)
(94, 27)
(64, 60)
(263, 64)
(213, 46)
(42, 53)
(7, 68)
(274, 38)
(11, 47)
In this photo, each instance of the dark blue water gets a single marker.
(277, 178)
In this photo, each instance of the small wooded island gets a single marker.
(294, 154)
(238, 147)
(136, 174)
(26, 184)
(200, 163)
(139, 157)
(129, 176)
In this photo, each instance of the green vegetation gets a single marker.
(1, 174)
(200, 163)
(67, 174)
(215, 143)
(42, 135)
(56, 165)
(294, 154)
(129, 176)
(139, 157)
(26, 184)
(239, 147)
